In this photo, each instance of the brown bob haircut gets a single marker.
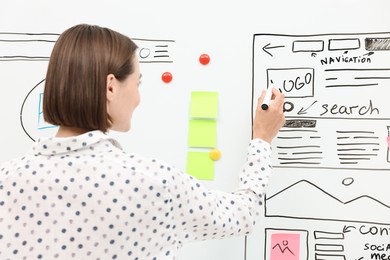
(75, 88)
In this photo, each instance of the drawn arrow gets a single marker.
(369, 54)
(303, 111)
(347, 229)
(268, 47)
(313, 54)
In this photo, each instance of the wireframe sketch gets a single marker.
(36, 47)
(335, 138)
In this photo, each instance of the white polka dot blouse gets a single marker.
(83, 197)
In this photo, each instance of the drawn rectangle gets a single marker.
(377, 44)
(329, 257)
(296, 82)
(308, 46)
(286, 244)
(328, 235)
(329, 247)
(344, 44)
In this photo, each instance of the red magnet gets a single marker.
(204, 59)
(166, 77)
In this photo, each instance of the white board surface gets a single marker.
(323, 202)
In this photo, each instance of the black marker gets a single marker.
(267, 99)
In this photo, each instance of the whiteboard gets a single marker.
(346, 213)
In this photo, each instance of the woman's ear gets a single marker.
(110, 87)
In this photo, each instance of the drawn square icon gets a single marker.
(285, 246)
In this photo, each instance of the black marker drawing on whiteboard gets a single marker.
(377, 44)
(284, 249)
(16, 46)
(342, 210)
(388, 144)
(36, 47)
(336, 117)
(268, 47)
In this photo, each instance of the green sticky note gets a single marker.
(200, 165)
(204, 105)
(202, 133)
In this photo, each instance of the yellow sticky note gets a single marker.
(200, 165)
(202, 133)
(204, 104)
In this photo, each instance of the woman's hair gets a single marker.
(75, 88)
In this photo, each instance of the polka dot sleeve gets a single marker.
(205, 214)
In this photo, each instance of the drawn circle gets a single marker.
(288, 106)
(31, 116)
(348, 181)
(144, 53)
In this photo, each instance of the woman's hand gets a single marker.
(267, 123)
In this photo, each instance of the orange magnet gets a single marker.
(215, 154)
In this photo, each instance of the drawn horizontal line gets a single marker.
(301, 158)
(332, 168)
(351, 149)
(352, 85)
(331, 78)
(295, 147)
(372, 77)
(33, 40)
(289, 137)
(23, 57)
(343, 118)
(151, 40)
(160, 61)
(307, 163)
(298, 130)
(307, 153)
(376, 69)
(161, 56)
(365, 159)
(357, 154)
(366, 137)
(348, 162)
(357, 143)
(354, 132)
(35, 34)
(315, 137)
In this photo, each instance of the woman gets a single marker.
(79, 195)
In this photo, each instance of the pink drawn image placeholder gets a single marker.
(285, 246)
